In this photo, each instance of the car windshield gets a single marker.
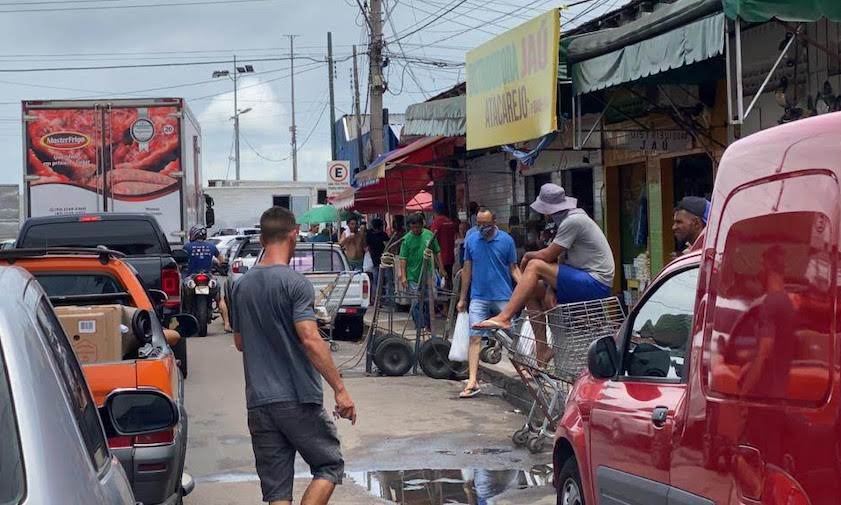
(78, 284)
(12, 481)
(131, 237)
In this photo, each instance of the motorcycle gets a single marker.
(198, 298)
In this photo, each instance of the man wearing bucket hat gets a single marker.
(577, 265)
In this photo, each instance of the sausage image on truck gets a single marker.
(126, 156)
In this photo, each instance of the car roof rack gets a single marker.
(104, 254)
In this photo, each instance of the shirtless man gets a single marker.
(354, 244)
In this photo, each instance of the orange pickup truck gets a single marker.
(99, 281)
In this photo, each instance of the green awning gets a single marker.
(446, 118)
(757, 11)
(673, 36)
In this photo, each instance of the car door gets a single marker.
(632, 419)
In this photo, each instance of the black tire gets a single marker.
(491, 354)
(202, 316)
(536, 444)
(350, 328)
(570, 491)
(521, 437)
(433, 359)
(180, 352)
(394, 357)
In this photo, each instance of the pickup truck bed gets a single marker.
(138, 236)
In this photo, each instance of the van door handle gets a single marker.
(659, 416)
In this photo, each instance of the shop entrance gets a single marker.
(579, 183)
(633, 226)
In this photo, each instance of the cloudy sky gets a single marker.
(38, 34)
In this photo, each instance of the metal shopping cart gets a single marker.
(328, 301)
(549, 352)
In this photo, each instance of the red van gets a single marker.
(723, 385)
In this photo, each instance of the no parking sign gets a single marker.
(338, 177)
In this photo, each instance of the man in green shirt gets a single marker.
(412, 252)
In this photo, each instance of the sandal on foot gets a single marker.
(469, 392)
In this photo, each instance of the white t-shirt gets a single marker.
(586, 246)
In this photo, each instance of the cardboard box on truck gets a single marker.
(94, 332)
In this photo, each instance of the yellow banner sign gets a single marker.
(512, 84)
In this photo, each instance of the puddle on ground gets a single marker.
(440, 487)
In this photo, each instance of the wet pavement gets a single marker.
(415, 442)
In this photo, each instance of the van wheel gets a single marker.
(570, 491)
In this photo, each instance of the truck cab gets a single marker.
(723, 385)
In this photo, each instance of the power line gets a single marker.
(138, 6)
(416, 30)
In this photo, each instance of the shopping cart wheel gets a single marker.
(491, 354)
(394, 356)
(521, 436)
(433, 358)
(334, 346)
(536, 444)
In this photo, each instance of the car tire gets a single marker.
(570, 491)
(394, 356)
(433, 357)
(180, 352)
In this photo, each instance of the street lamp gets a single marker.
(247, 69)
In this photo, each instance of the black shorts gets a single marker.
(278, 431)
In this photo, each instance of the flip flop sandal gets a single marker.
(469, 393)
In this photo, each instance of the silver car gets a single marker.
(49, 423)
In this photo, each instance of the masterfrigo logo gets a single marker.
(65, 140)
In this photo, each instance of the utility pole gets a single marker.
(236, 120)
(377, 84)
(360, 157)
(293, 129)
(333, 146)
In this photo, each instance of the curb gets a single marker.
(513, 389)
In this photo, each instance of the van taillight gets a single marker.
(119, 442)
(171, 285)
(157, 438)
(366, 287)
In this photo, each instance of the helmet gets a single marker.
(198, 233)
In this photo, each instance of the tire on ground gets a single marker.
(433, 358)
(569, 478)
(393, 356)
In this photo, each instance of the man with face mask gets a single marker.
(490, 264)
(577, 266)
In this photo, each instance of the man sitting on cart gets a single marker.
(577, 266)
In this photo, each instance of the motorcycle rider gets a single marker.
(203, 255)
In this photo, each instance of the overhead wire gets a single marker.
(430, 22)
(138, 6)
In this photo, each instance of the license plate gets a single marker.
(202, 290)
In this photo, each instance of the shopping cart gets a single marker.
(328, 301)
(549, 352)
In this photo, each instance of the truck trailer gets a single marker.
(121, 155)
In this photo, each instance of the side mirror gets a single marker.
(136, 412)
(185, 324)
(209, 217)
(180, 256)
(158, 297)
(603, 358)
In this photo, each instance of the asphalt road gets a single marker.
(415, 441)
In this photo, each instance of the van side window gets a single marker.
(661, 327)
(76, 388)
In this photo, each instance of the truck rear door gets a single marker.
(142, 162)
(63, 165)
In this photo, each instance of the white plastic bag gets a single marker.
(367, 263)
(527, 344)
(460, 345)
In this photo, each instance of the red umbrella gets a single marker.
(421, 202)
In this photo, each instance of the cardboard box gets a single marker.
(94, 332)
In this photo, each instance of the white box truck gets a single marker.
(122, 155)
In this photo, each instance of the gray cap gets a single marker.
(553, 199)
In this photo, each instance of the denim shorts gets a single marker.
(481, 310)
(278, 431)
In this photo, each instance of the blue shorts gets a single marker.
(483, 309)
(576, 285)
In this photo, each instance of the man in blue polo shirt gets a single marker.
(490, 265)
